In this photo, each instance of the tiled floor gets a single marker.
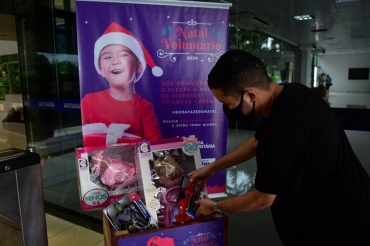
(252, 228)
(62, 233)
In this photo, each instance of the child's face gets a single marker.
(119, 65)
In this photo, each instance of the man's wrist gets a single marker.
(215, 207)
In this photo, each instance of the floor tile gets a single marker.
(100, 244)
(55, 225)
(76, 236)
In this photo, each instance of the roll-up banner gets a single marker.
(143, 73)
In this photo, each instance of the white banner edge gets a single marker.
(169, 3)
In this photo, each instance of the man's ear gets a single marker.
(251, 94)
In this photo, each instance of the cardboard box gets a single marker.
(213, 231)
(160, 166)
(105, 174)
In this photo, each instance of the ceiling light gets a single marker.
(343, 1)
(304, 17)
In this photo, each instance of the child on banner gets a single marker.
(119, 114)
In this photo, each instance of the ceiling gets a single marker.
(7, 29)
(347, 22)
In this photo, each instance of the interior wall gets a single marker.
(8, 47)
(337, 67)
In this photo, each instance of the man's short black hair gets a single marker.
(236, 70)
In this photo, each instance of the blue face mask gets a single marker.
(237, 112)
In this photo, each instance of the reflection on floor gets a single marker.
(61, 233)
(9, 139)
(252, 228)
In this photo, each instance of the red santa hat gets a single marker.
(156, 240)
(116, 34)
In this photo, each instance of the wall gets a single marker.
(337, 67)
(8, 47)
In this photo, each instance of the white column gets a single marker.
(306, 67)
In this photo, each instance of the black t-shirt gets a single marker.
(304, 157)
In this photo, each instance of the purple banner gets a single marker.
(143, 74)
(205, 233)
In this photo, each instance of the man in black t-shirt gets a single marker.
(307, 172)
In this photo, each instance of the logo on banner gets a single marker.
(193, 39)
(206, 162)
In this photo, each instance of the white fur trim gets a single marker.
(157, 71)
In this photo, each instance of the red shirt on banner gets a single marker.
(100, 107)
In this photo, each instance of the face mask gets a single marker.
(237, 113)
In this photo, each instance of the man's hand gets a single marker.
(205, 207)
(202, 173)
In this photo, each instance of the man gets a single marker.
(306, 169)
(328, 83)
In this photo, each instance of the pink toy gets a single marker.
(113, 172)
(105, 174)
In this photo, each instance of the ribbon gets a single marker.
(113, 132)
(186, 140)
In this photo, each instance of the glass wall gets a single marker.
(47, 43)
(12, 127)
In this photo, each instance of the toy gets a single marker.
(182, 217)
(112, 171)
(167, 170)
(166, 176)
(105, 174)
(190, 192)
(161, 165)
(130, 214)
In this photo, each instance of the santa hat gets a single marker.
(156, 240)
(116, 34)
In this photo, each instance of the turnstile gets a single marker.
(22, 214)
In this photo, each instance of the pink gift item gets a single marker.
(117, 172)
(113, 172)
(105, 174)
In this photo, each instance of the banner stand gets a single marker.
(165, 94)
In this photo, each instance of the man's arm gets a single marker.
(253, 200)
(243, 152)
